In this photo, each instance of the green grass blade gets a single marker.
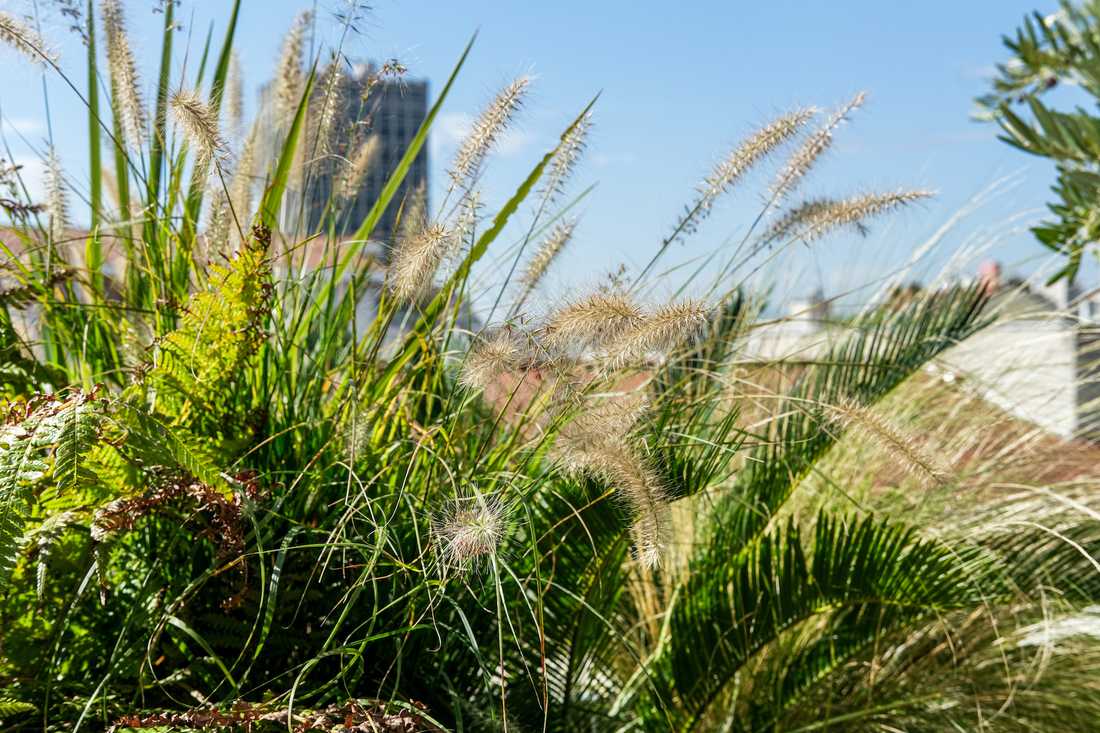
(269, 208)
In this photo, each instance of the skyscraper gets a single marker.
(369, 106)
(373, 105)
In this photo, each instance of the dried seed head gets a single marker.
(611, 460)
(24, 39)
(125, 86)
(566, 158)
(547, 252)
(240, 187)
(812, 149)
(490, 357)
(361, 162)
(486, 131)
(234, 98)
(290, 80)
(470, 531)
(903, 447)
(663, 330)
(414, 212)
(200, 126)
(815, 218)
(415, 260)
(595, 319)
(328, 105)
(57, 205)
(733, 167)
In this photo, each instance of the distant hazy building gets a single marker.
(369, 105)
(1039, 361)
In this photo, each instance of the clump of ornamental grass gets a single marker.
(125, 83)
(20, 37)
(486, 131)
(415, 259)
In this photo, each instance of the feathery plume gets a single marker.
(815, 218)
(730, 169)
(547, 252)
(903, 447)
(200, 126)
(24, 39)
(290, 80)
(591, 320)
(489, 358)
(751, 151)
(486, 131)
(566, 158)
(414, 212)
(125, 87)
(415, 260)
(361, 162)
(240, 186)
(470, 531)
(57, 205)
(812, 149)
(234, 98)
(610, 459)
(330, 101)
(665, 329)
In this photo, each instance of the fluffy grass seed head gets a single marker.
(486, 131)
(329, 103)
(20, 37)
(490, 357)
(289, 79)
(582, 450)
(362, 160)
(661, 331)
(470, 531)
(567, 157)
(815, 218)
(592, 320)
(125, 84)
(806, 156)
(199, 125)
(415, 259)
(57, 203)
(234, 98)
(737, 163)
(903, 447)
(547, 252)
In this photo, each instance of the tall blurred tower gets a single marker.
(390, 111)
(369, 105)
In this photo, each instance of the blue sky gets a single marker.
(680, 84)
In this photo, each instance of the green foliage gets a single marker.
(241, 484)
(1049, 52)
